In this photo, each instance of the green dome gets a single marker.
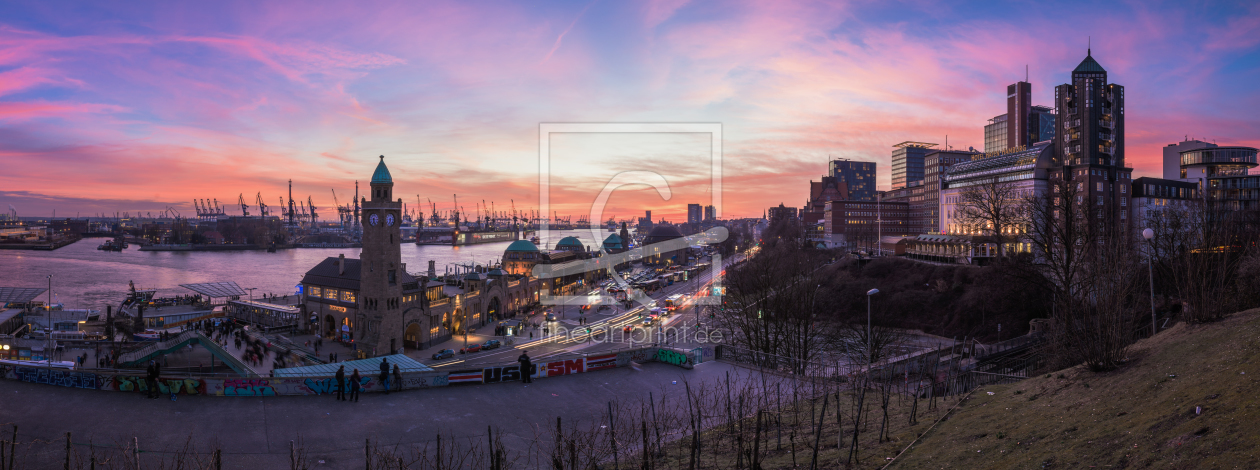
(569, 243)
(522, 246)
(381, 175)
(613, 242)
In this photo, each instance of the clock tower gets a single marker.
(380, 326)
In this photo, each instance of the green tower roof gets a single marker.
(1089, 65)
(381, 175)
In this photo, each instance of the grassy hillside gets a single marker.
(1187, 398)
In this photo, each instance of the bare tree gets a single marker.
(1089, 262)
(1199, 249)
(994, 209)
(771, 304)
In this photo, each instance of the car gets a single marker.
(490, 344)
(472, 348)
(551, 316)
(444, 354)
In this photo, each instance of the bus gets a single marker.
(673, 302)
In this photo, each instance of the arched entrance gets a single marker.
(411, 338)
(493, 311)
(457, 322)
(330, 325)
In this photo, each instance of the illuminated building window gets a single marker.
(316, 291)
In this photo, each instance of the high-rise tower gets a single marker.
(381, 275)
(1090, 137)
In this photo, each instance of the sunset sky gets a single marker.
(138, 106)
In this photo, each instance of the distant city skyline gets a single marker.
(147, 105)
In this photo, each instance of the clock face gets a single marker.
(374, 220)
(389, 220)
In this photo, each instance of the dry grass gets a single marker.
(1142, 415)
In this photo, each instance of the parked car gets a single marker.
(444, 354)
(472, 348)
(491, 344)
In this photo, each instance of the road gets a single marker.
(579, 342)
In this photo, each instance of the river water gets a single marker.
(84, 277)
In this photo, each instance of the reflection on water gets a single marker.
(84, 277)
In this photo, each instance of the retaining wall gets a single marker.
(277, 386)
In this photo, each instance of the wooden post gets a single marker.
(12, 447)
(655, 422)
(646, 449)
(612, 436)
(813, 463)
(439, 452)
(367, 454)
(135, 450)
(218, 459)
(67, 450)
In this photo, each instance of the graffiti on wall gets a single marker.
(670, 356)
(60, 378)
(640, 356)
(329, 385)
(122, 383)
(571, 366)
(493, 375)
(247, 388)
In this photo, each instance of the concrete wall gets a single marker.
(275, 386)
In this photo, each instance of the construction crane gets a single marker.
(434, 218)
(342, 212)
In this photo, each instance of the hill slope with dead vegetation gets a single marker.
(1186, 398)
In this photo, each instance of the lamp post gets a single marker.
(869, 358)
(251, 293)
(1149, 234)
(48, 325)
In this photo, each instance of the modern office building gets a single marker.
(710, 214)
(1225, 171)
(694, 213)
(1155, 194)
(907, 162)
(858, 178)
(1172, 156)
(995, 137)
(1028, 169)
(1023, 124)
(860, 224)
(782, 212)
(1091, 138)
(935, 166)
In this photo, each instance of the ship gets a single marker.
(479, 236)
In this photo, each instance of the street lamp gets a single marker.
(251, 293)
(48, 325)
(1149, 234)
(869, 357)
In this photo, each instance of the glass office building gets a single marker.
(859, 178)
(907, 163)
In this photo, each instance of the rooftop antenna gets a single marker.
(1025, 72)
(1089, 44)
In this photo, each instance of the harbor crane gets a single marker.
(292, 213)
(314, 216)
(262, 208)
(244, 207)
